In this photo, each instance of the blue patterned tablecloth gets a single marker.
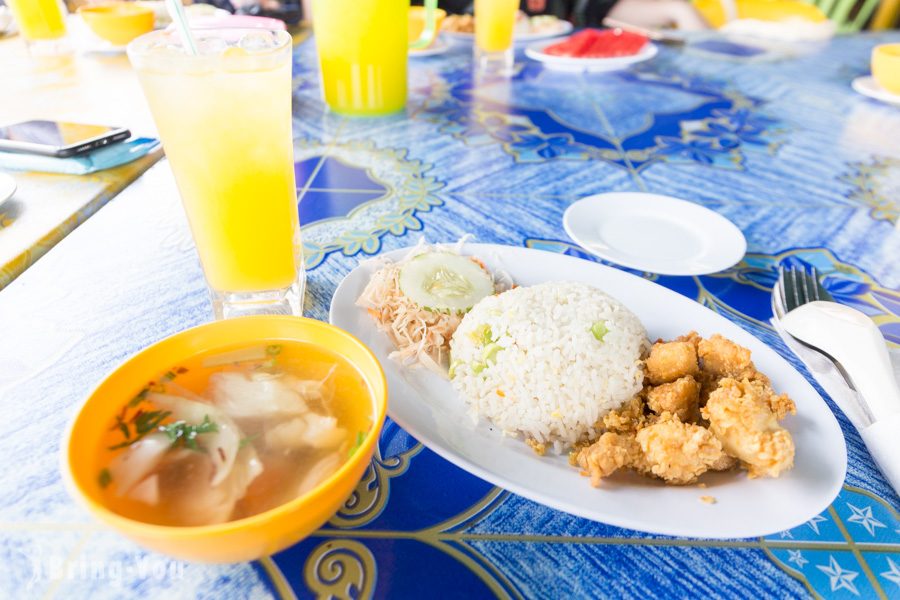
(809, 170)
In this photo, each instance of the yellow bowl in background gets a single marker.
(118, 22)
(886, 66)
(243, 539)
(417, 22)
(763, 10)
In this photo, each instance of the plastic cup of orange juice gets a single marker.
(495, 21)
(224, 117)
(363, 48)
(42, 25)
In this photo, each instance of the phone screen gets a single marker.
(52, 133)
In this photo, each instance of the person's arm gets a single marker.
(655, 14)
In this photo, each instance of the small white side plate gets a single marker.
(570, 63)
(562, 28)
(654, 233)
(7, 187)
(438, 47)
(867, 86)
(426, 405)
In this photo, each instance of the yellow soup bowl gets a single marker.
(886, 66)
(243, 539)
(118, 22)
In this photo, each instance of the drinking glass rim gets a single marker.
(143, 45)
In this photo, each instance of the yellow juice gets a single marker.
(225, 124)
(39, 19)
(362, 47)
(494, 23)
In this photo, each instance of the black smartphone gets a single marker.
(57, 138)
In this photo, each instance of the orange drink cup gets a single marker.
(494, 24)
(42, 24)
(224, 117)
(363, 48)
(886, 67)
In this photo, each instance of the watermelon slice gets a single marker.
(596, 43)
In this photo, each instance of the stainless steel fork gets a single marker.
(795, 287)
(841, 334)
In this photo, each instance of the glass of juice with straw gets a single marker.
(494, 24)
(42, 25)
(223, 111)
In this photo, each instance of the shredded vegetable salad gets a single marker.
(413, 301)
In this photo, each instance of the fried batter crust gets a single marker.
(741, 417)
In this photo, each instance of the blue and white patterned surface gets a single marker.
(807, 169)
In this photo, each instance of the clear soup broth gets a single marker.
(233, 433)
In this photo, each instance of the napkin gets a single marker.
(881, 437)
(96, 160)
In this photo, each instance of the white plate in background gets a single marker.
(573, 63)
(654, 233)
(7, 187)
(867, 86)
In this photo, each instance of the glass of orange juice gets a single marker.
(363, 50)
(42, 24)
(224, 117)
(494, 24)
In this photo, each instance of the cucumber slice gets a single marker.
(445, 282)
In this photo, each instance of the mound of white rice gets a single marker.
(529, 360)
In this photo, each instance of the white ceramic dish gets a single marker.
(7, 187)
(562, 28)
(654, 233)
(867, 86)
(440, 46)
(569, 63)
(426, 406)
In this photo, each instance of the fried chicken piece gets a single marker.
(781, 405)
(612, 451)
(681, 398)
(628, 418)
(678, 452)
(724, 463)
(692, 336)
(741, 417)
(723, 358)
(669, 361)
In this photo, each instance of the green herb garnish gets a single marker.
(105, 478)
(273, 349)
(144, 423)
(489, 354)
(599, 330)
(122, 426)
(360, 437)
(141, 396)
(180, 433)
(247, 440)
(453, 365)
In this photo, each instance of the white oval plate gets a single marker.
(654, 233)
(867, 86)
(563, 27)
(438, 47)
(426, 406)
(7, 187)
(571, 63)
